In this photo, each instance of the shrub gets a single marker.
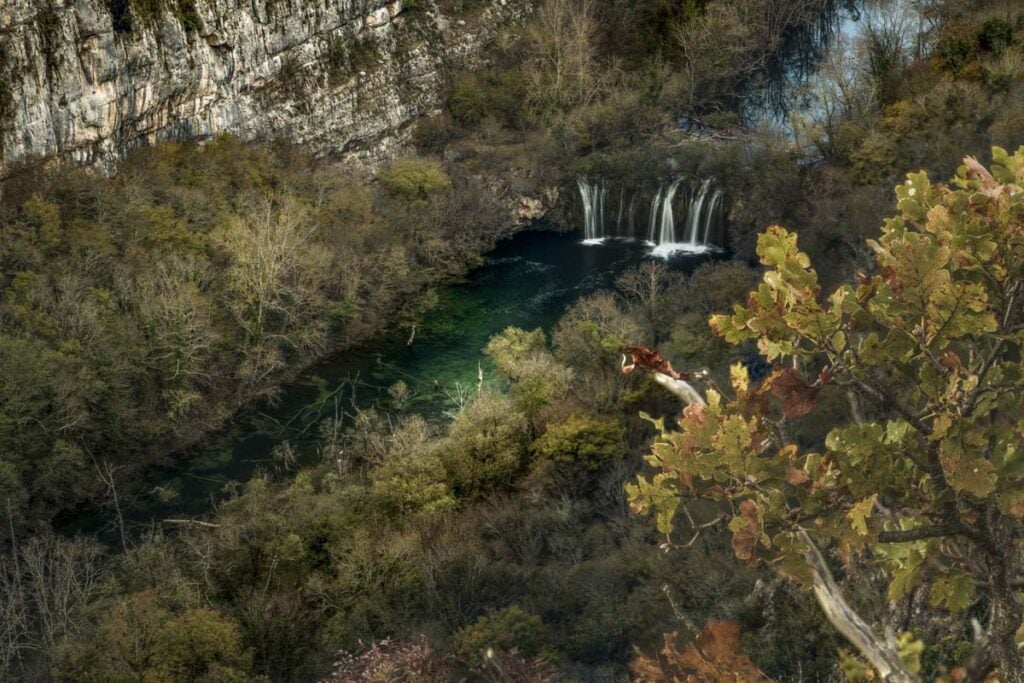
(415, 178)
(486, 444)
(581, 441)
(412, 478)
(995, 35)
(508, 629)
(512, 347)
(199, 645)
(468, 102)
(432, 133)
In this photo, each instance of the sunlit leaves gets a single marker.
(930, 342)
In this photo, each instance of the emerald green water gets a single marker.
(528, 281)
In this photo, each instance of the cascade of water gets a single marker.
(668, 219)
(622, 209)
(712, 217)
(703, 214)
(691, 234)
(631, 216)
(592, 197)
(652, 232)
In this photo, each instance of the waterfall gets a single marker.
(593, 197)
(692, 232)
(701, 210)
(622, 209)
(632, 214)
(710, 220)
(652, 232)
(668, 219)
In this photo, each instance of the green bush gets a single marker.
(486, 445)
(468, 102)
(412, 478)
(512, 347)
(995, 35)
(506, 630)
(415, 178)
(581, 442)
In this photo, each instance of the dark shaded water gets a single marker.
(528, 281)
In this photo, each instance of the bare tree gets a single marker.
(565, 72)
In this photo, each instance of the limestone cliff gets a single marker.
(88, 80)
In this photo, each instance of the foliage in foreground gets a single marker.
(922, 477)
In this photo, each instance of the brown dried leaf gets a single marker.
(714, 657)
(649, 359)
(695, 412)
(798, 397)
(744, 539)
(795, 477)
(951, 361)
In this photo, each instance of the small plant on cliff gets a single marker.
(923, 478)
(415, 178)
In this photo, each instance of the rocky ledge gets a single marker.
(88, 80)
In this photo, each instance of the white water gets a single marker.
(696, 229)
(702, 224)
(668, 215)
(693, 216)
(713, 213)
(652, 232)
(593, 211)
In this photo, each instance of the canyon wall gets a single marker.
(88, 80)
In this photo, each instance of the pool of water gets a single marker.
(528, 281)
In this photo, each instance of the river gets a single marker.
(528, 281)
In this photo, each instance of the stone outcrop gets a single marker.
(88, 80)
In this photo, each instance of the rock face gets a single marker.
(88, 80)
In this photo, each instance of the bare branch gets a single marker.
(880, 653)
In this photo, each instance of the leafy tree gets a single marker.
(589, 339)
(928, 484)
(509, 629)
(199, 645)
(411, 477)
(512, 347)
(581, 442)
(486, 445)
(415, 178)
(538, 380)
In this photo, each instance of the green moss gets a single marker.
(185, 12)
(363, 54)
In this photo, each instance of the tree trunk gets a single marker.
(879, 652)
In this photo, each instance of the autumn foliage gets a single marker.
(715, 656)
(923, 475)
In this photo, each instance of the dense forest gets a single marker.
(822, 484)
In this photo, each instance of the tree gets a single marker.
(645, 288)
(415, 178)
(563, 70)
(485, 446)
(928, 485)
